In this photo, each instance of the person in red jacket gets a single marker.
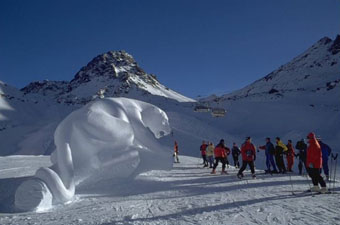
(248, 152)
(220, 156)
(290, 156)
(314, 163)
(203, 148)
(176, 152)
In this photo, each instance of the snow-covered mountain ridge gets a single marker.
(315, 70)
(111, 74)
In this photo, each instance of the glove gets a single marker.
(311, 165)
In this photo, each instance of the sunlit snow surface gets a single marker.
(114, 138)
(187, 194)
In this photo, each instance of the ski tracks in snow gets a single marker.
(189, 194)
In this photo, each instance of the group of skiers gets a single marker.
(313, 157)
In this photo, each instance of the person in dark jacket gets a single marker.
(270, 152)
(302, 147)
(280, 149)
(326, 152)
(314, 164)
(235, 151)
(248, 152)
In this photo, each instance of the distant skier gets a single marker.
(314, 164)
(210, 154)
(176, 152)
(203, 149)
(220, 156)
(270, 152)
(280, 149)
(235, 151)
(290, 156)
(326, 152)
(248, 151)
(302, 147)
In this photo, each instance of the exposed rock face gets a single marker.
(111, 74)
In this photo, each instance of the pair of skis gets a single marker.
(312, 193)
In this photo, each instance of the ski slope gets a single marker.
(186, 194)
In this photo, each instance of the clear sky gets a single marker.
(194, 47)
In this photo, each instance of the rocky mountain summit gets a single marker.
(111, 74)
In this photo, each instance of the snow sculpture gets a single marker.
(106, 139)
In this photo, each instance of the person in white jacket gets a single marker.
(210, 154)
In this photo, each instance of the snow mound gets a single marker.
(107, 139)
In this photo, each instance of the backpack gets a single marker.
(249, 153)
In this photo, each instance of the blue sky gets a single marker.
(194, 47)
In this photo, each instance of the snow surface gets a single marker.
(105, 140)
(187, 194)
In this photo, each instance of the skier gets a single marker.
(203, 148)
(302, 147)
(248, 151)
(220, 156)
(235, 151)
(314, 164)
(176, 152)
(210, 154)
(280, 149)
(290, 156)
(326, 152)
(269, 151)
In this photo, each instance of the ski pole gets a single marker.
(335, 164)
(291, 183)
(310, 187)
(330, 171)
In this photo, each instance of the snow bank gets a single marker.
(107, 139)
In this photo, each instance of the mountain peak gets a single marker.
(111, 74)
(112, 64)
(324, 40)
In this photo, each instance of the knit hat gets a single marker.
(311, 135)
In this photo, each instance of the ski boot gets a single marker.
(315, 188)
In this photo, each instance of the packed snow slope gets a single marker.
(187, 194)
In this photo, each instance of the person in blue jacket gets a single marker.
(326, 152)
(269, 151)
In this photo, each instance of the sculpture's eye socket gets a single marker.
(161, 133)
